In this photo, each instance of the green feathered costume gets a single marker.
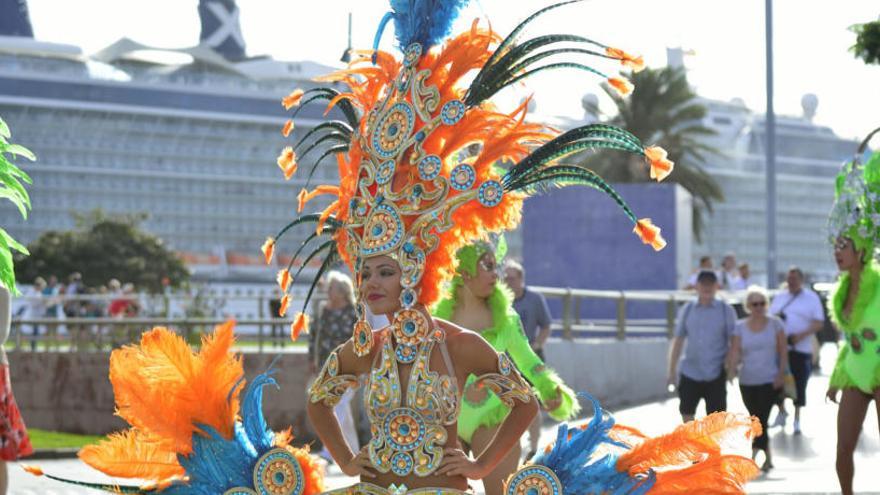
(856, 216)
(506, 335)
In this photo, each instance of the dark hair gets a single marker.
(707, 276)
(704, 259)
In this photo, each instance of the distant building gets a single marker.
(192, 142)
(808, 158)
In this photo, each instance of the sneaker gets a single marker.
(797, 427)
(781, 418)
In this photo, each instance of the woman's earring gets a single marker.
(362, 336)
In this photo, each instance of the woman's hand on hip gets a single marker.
(457, 463)
(359, 465)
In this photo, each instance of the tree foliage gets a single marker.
(11, 188)
(867, 46)
(102, 248)
(664, 111)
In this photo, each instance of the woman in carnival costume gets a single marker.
(191, 433)
(476, 299)
(854, 305)
(404, 205)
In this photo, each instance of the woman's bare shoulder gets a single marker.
(466, 344)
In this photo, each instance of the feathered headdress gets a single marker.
(603, 457)
(407, 186)
(856, 211)
(189, 433)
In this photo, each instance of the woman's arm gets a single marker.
(733, 356)
(782, 351)
(551, 390)
(496, 372)
(337, 376)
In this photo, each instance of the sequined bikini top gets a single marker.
(409, 429)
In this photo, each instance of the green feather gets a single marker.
(326, 230)
(569, 175)
(336, 137)
(340, 127)
(328, 261)
(506, 43)
(325, 93)
(508, 63)
(340, 148)
(309, 218)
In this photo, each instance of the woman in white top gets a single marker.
(759, 345)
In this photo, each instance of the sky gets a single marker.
(725, 37)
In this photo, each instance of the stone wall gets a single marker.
(618, 373)
(71, 391)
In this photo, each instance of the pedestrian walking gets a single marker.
(703, 331)
(759, 346)
(800, 309)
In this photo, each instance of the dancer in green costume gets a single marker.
(476, 298)
(855, 304)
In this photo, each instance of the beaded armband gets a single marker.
(507, 384)
(330, 386)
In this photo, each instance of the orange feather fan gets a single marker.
(163, 388)
(689, 443)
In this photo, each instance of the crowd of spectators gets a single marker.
(56, 303)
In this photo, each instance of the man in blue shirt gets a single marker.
(707, 326)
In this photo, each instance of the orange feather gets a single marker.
(690, 442)
(163, 388)
(132, 454)
(703, 477)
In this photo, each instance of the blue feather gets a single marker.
(573, 458)
(427, 22)
(258, 432)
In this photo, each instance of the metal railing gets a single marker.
(260, 330)
(572, 325)
(104, 333)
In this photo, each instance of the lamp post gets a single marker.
(770, 148)
(346, 55)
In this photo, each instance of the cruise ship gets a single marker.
(808, 158)
(192, 143)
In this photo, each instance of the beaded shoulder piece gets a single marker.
(330, 386)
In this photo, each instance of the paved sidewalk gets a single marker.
(804, 463)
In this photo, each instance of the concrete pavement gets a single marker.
(804, 463)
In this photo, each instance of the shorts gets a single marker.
(690, 392)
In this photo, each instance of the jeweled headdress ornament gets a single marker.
(407, 189)
(856, 211)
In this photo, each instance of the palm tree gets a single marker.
(11, 188)
(663, 111)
